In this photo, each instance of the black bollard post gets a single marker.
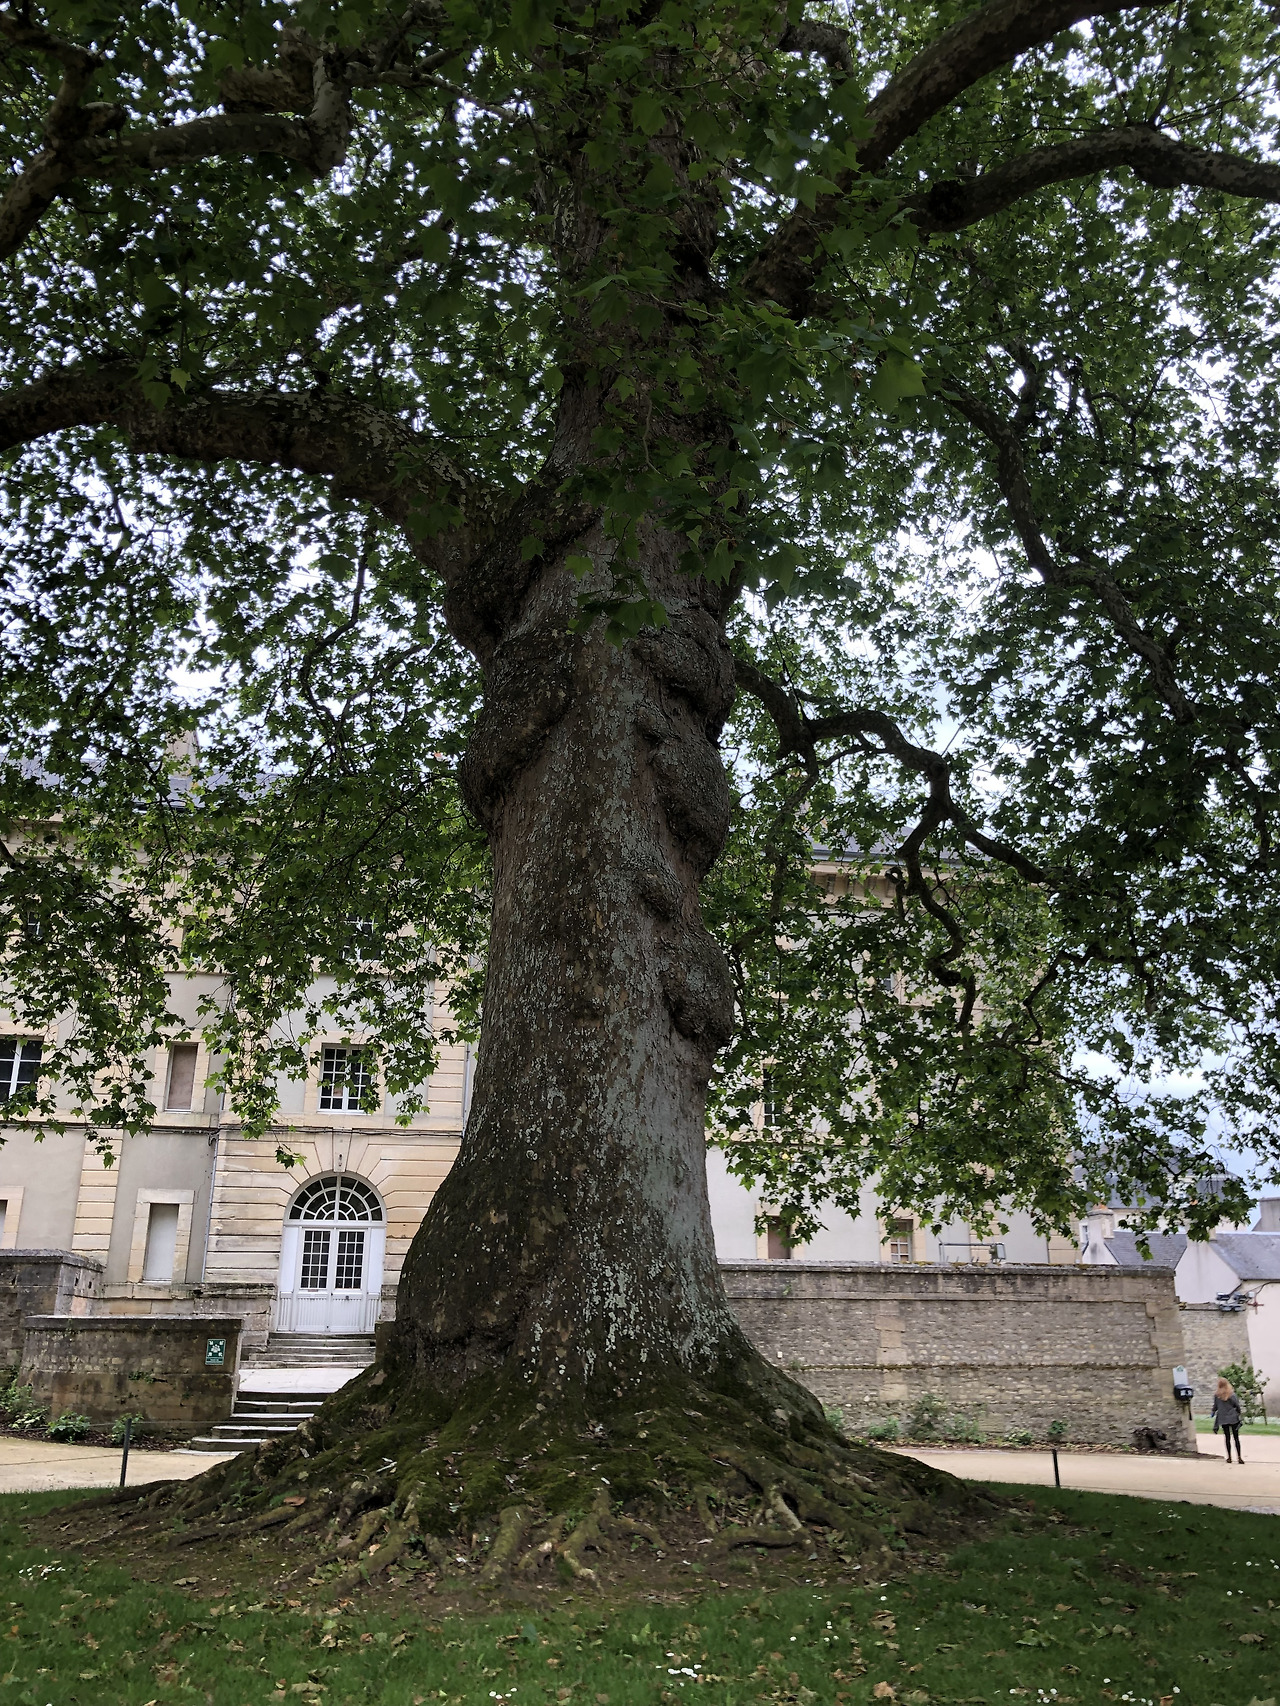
(124, 1456)
(1057, 1479)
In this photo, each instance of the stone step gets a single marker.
(291, 1359)
(254, 1430)
(289, 1350)
(243, 1420)
(304, 1403)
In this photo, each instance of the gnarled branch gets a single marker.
(1157, 159)
(368, 453)
(961, 56)
(825, 41)
(876, 732)
(1083, 571)
(89, 141)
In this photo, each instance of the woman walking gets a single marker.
(1226, 1414)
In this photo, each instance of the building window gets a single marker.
(777, 1240)
(19, 1066)
(348, 1274)
(901, 1241)
(775, 1109)
(162, 1244)
(182, 1075)
(345, 1079)
(364, 943)
(315, 1260)
(337, 1196)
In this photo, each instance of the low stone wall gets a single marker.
(1213, 1338)
(1010, 1346)
(42, 1282)
(150, 1365)
(253, 1306)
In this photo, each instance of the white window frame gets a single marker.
(316, 1080)
(18, 1038)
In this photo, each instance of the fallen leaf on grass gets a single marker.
(884, 1691)
(1251, 1640)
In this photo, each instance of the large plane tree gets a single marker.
(492, 489)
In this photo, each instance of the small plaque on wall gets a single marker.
(215, 1353)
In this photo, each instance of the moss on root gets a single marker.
(513, 1489)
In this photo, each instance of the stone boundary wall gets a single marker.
(149, 1365)
(1213, 1338)
(42, 1282)
(1011, 1346)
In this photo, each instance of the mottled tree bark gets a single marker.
(571, 1242)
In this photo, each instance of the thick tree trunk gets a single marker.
(571, 1242)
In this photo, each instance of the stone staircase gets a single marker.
(312, 1350)
(259, 1415)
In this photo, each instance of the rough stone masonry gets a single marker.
(1011, 1346)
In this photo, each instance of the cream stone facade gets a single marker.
(192, 1217)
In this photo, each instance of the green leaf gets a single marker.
(895, 379)
(647, 114)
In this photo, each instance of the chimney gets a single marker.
(1268, 1215)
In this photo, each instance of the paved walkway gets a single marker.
(314, 1377)
(31, 1466)
(1206, 1480)
(40, 1465)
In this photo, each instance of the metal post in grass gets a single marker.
(1053, 1452)
(124, 1455)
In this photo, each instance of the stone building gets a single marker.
(192, 1215)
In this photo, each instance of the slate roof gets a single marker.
(1251, 1255)
(1166, 1249)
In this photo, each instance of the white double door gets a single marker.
(330, 1276)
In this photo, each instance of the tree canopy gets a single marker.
(942, 339)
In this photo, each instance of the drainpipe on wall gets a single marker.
(213, 1181)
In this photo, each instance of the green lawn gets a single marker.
(1205, 1426)
(1080, 1598)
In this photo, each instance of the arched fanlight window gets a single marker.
(338, 1196)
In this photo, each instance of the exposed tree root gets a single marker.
(503, 1491)
(513, 1524)
(771, 1537)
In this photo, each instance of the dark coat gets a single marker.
(1226, 1412)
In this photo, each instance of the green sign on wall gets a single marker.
(215, 1353)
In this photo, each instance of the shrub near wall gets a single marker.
(1015, 1348)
